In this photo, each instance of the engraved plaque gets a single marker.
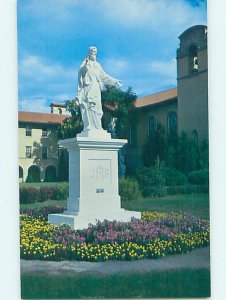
(100, 170)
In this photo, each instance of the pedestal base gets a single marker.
(93, 181)
(80, 221)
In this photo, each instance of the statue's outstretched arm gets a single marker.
(107, 79)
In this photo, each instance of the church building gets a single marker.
(181, 109)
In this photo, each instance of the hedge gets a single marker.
(31, 195)
(199, 177)
(174, 177)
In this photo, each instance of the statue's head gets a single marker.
(92, 54)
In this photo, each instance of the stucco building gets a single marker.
(38, 143)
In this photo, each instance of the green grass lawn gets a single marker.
(38, 205)
(39, 184)
(197, 204)
(176, 283)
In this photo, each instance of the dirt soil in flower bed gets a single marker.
(196, 259)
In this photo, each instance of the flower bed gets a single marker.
(43, 212)
(156, 235)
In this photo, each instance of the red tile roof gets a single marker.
(45, 118)
(156, 98)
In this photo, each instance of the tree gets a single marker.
(171, 149)
(155, 147)
(63, 168)
(72, 125)
(118, 105)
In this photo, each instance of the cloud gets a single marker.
(147, 77)
(56, 9)
(151, 13)
(167, 69)
(42, 105)
(130, 14)
(115, 66)
(42, 81)
(34, 105)
(39, 69)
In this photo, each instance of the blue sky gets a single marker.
(136, 41)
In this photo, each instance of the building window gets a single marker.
(151, 128)
(44, 152)
(28, 153)
(59, 151)
(28, 130)
(193, 60)
(60, 111)
(44, 132)
(172, 122)
(133, 135)
(21, 173)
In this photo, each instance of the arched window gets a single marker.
(172, 122)
(50, 174)
(195, 136)
(151, 128)
(193, 60)
(21, 173)
(33, 174)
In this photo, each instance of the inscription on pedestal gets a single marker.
(100, 170)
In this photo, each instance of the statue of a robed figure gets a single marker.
(93, 157)
(91, 81)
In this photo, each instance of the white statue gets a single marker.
(91, 81)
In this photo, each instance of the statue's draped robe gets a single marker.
(91, 81)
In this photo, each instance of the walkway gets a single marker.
(196, 259)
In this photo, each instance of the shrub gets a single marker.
(47, 192)
(174, 177)
(50, 178)
(128, 189)
(199, 177)
(29, 178)
(29, 195)
(152, 180)
(61, 192)
(43, 212)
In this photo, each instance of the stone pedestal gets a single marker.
(93, 181)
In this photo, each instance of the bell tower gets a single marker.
(192, 82)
